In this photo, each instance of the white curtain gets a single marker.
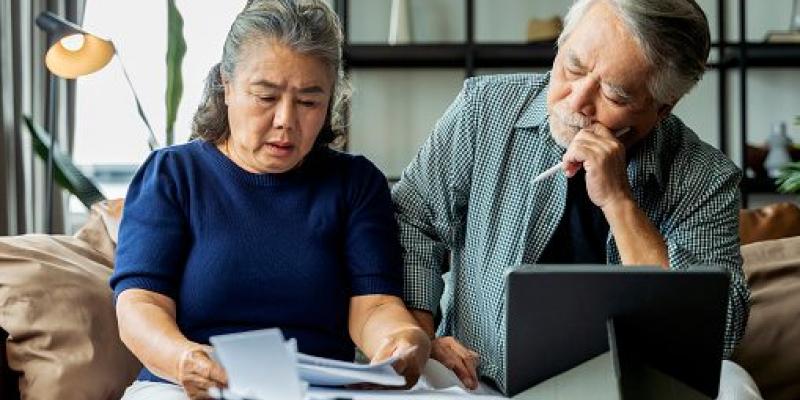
(24, 90)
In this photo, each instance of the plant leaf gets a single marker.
(65, 173)
(789, 179)
(176, 49)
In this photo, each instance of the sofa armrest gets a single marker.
(774, 221)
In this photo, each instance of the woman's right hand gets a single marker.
(198, 372)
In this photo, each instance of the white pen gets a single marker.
(555, 168)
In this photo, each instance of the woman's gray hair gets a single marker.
(673, 35)
(308, 27)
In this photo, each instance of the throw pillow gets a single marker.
(770, 349)
(56, 305)
(774, 221)
(100, 230)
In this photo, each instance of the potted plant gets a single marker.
(789, 179)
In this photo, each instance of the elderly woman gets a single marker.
(259, 223)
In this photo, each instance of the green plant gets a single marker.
(65, 173)
(176, 49)
(789, 179)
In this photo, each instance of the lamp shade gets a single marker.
(73, 52)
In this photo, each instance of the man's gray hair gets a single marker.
(673, 35)
(305, 26)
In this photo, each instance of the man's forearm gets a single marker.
(637, 239)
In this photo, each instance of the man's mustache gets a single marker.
(573, 120)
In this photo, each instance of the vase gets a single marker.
(778, 154)
(399, 24)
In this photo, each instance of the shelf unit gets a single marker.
(470, 55)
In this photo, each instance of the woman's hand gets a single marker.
(197, 372)
(454, 355)
(412, 346)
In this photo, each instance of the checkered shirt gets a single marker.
(469, 194)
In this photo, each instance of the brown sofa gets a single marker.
(63, 344)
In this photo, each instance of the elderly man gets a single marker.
(637, 186)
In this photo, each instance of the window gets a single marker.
(110, 139)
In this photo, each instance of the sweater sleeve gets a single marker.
(154, 237)
(372, 248)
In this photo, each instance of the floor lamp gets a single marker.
(72, 52)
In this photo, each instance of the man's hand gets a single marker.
(450, 352)
(197, 372)
(413, 347)
(454, 355)
(603, 157)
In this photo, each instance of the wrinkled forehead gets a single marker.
(603, 45)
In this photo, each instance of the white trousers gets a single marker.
(736, 384)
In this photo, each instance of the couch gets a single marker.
(61, 339)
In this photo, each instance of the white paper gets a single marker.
(319, 371)
(317, 375)
(259, 365)
(306, 359)
(427, 394)
(437, 382)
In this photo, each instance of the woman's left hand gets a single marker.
(412, 346)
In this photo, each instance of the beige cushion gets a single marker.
(56, 305)
(100, 230)
(770, 349)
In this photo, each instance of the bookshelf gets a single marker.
(469, 55)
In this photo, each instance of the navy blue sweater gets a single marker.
(239, 251)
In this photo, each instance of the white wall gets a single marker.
(430, 20)
(394, 111)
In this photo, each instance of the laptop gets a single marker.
(560, 316)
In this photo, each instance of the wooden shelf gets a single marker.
(531, 55)
(501, 55)
(404, 56)
(764, 55)
(761, 184)
(491, 55)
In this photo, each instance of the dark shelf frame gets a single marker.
(764, 55)
(471, 55)
(517, 55)
(743, 64)
(761, 184)
(406, 56)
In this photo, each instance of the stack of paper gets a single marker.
(261, 365)
(318, 371)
